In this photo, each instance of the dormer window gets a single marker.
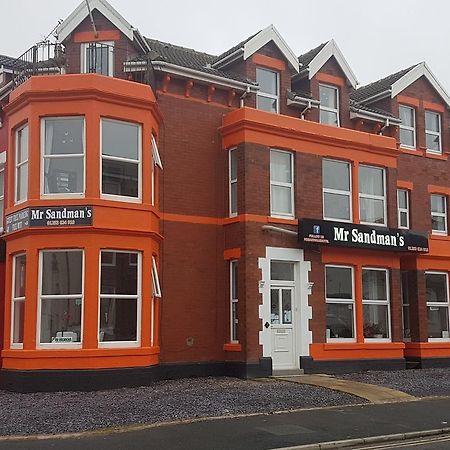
(98, 57)
(329, 105)
(407, 127)
(433, 132)
(268, 96)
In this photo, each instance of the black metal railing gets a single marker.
(44, 58)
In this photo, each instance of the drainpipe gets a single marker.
(308, 107)
(243, 96)
(384, 126)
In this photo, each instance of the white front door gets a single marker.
(282, 299)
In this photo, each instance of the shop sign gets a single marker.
(52, 216)
(343, 234)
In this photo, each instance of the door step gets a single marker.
(287, 372)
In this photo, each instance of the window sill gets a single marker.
(118, 344)
(439, 236)
(119, 198)
(76, 346)
(285, 220)
(341, 341)
(442, 340)
(62, 196)
(438, 156)
(377, 340)
(232, 347)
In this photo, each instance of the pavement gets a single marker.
(370, 392)
(390, 415)
(262, 431)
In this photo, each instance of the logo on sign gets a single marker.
(316, 229)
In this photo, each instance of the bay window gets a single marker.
(281, 183)
(437, 304)
(375, 300)
(121, 160)
(120, 298)
(63, 156)
(337, 195)
(18, 300)
(433, 132)
(267, 98)
(21, 181)
(329, 105)
(340, 302)
(407, 127)
(61, 297)
(438, 214)
(372, 195)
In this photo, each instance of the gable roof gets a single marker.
(315, 59)
(189, 58)
(102, 6)
(252, 44)
(394, 84)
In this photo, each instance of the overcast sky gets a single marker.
(377, 37)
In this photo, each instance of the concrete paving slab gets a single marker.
(372, 393)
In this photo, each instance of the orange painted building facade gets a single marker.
(162, 230)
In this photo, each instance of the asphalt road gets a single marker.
(264, 432)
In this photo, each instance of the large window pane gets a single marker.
(19, 276)
(62, 272)
(336, 206)
(336, 175)
(407, 137)
(432, 121)
(328, 96)
(376, 321)
(120, 139)
(120, 276)
(18, 299)
(338, 283)
(64, 136)
(267, 81)
(120, 178)
(329, 117)
(61, 320)
(371, 180)
(266, 104)
(97, 59)
(118, 319)
(436, 286)
(63, 175)
(282, 271)
(18, 321)
(280, 167)
(438, 203)
(281, 200)
(374, 285)
(371, 210)
(433, 142)
(340, 320)
(438, 322)
(406, 115)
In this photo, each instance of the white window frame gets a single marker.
(343, 301)
(276, 96)
(409, 128)
(156, 286)
(283, 184)
(231, 182)
(439, 304)
(386, 302)
(434, 133)
(85, 46)
(137, 296)
(115, 197)
(338, 191)
(327, 108)
(403, 210)
(405, 305)
(2, 197)
(17, 345)
(439, 214)
(156, 161)
(234, 301)
(77, 155)
(21, 164)
(374, 197)
(57, 345)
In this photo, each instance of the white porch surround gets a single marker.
(303, 334)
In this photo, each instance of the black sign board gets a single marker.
(51, 216)
(343, 234)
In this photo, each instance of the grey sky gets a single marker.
(377, 38)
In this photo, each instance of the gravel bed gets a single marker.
(61, 412)
(417, 382)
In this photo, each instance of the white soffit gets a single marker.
(263, 37)
(331, 49)
(414, 74)
(81, 12)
